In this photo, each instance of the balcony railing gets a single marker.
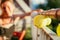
(44, 33)
(41, 34)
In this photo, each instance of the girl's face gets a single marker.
(7, 8)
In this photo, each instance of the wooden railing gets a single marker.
(44, 33)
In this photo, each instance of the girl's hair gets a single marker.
(2, 1)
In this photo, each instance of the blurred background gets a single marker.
(45, 5)
(23, 6)
(33, 5)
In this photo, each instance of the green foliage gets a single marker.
(50, 26)
(28, 34)
(54, 25)
(51, 4)
(54, 22)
